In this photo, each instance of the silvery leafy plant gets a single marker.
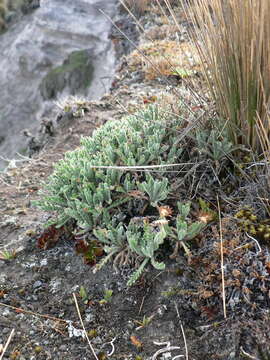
(98, 188)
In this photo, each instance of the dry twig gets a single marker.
(7, 343)
(20, 310)
(183, 332)
(85, 332)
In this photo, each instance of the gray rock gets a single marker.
(37, 284)
(36, 46)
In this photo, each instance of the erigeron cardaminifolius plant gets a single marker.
(103, 201)
(185, 229)
(141, 239)
(155, 189)
(145, 242)
(79, 190)
(114, 240)
(214, 144)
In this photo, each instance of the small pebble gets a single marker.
(37, 284)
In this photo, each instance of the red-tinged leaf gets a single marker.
(136, 342)
(18, 310)
(82, 246)
(210, 312)
(90, 250)
(150, 99)
(98, 251)
(50, 237)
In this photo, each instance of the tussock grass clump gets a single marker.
(232, 39)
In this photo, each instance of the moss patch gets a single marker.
(76, 72)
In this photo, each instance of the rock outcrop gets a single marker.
(62, 44)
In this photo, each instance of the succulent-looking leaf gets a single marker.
(184, 209)
(135, 276)
(194, 229)
(181, 227)
(157, 190)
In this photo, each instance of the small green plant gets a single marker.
(206, 214)
(82, 191)
(249, 222)
(107, 297)
(214, 145)
(145, 242)
(84, 295)
(144, 322)
(104, 201)
(8, 255)
(155, 189)
(183, 73)
(90, 250)
(185, 229)
(115, 242)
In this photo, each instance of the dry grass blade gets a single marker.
(222, 262)
(232, 40)
(20, 310)
(139, 167)
(264, 137)
(85, 332)
(138, 6)
(265, 146)
(7, 344)
(183, 332)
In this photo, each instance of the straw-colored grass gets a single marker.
(165, 58)
(233, 42)
(137, 6)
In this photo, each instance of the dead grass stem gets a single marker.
(183, 332)
(85, 332)
(137, 6)
(222, 261)
(7, 344)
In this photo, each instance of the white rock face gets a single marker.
(40, 42)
